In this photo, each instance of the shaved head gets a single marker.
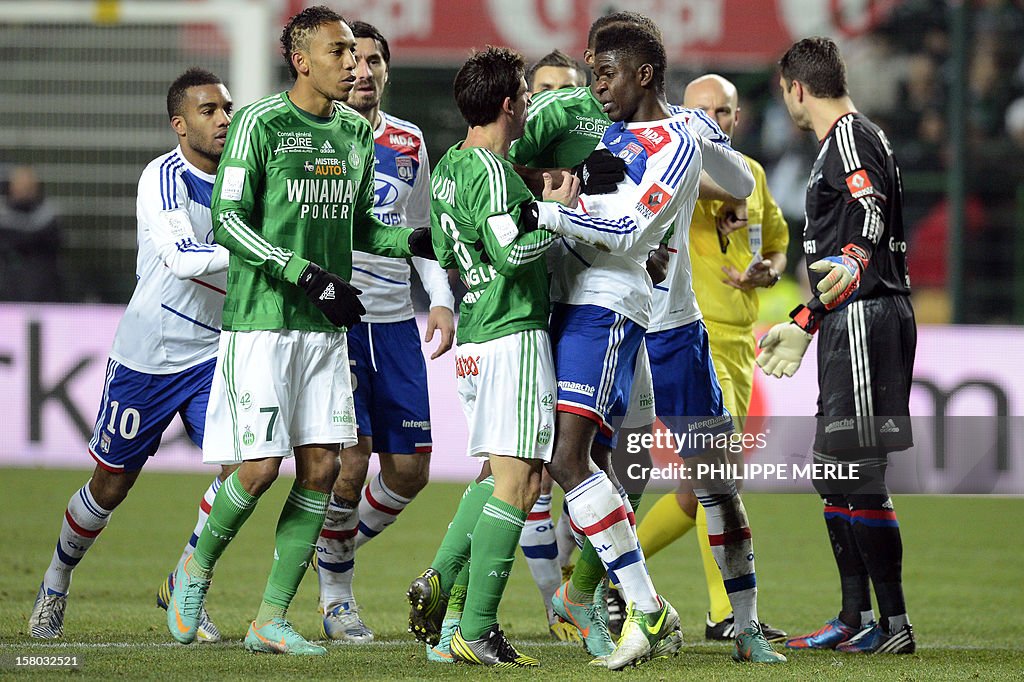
(717, 97)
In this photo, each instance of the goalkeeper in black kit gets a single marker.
(855, 246)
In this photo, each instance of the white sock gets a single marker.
(733, 550)
(378, 509)
(541, 550)
(565, 537)
(598, 511)
(83, 521)
(867, 617)
(336, 554)
(205, 505)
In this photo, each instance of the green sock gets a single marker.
(457, 599)
(298, 528)
(454, 550)
(231, 508)
(634, 501)
(495, 539)
(587, 575)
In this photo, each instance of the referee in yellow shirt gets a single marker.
(734, 249)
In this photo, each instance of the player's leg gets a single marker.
(541, 551)
(87, 514)
(882, 344)
(517, 401)
(732, 356)
(135, 410)
(298, 527)
(400, 414)
(428, 594)
(193, 416)
(478, 638)
(596, 359)
(336, 546)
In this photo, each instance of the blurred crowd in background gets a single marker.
(900, 74)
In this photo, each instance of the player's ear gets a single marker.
(645, 74)
(299, 62)
(508, 106)
(178, 125)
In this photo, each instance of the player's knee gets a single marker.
(110, 488)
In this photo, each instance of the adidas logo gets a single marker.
(889, 427)
(328, 293)
(326, 147)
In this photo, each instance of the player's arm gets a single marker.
(619, 221)
(854, 169)
(722, 163)
(163, 215)
(417, 212)
(239, 177)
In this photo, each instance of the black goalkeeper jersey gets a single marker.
(855, 195)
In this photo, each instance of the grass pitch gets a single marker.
(962, 570)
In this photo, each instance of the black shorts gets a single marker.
(865, 368)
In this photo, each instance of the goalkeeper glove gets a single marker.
(840, 285)
(420, 243)
(783, 347)
(600, 172)
(337, 299)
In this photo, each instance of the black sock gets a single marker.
(853, 574)
(877, 534)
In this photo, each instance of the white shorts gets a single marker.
(276, 390)
(507, 390)
(640, 411)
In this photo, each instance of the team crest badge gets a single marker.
(353, 157)
(403, 164)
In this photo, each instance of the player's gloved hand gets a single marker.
(529, 215)
(337, 299)
(840, 285)
(420, 243)
(783, 347)
(600, 172)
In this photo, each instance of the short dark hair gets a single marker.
(612, 18)
(485, 80)
(190, 79)
(817, 64)
(638, 45)
(554, 58)
(301, 27)
(361, 29)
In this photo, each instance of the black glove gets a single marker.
(529, 214)
(421, 244)
(600, 172)
(337, 299)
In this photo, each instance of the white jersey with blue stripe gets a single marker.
(173, 319)
(675, 303)
(401, 197)
(613, 234)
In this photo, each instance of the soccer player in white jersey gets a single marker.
(604, 305)
(389, 376)
(165, 348)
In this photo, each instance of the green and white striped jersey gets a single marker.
(562, 128)
(290, 190)
(474, 215)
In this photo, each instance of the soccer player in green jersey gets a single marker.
(504, 366)
(294, 194)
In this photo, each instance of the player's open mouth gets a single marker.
(607, 106)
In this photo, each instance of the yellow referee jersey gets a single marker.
(718, 301)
